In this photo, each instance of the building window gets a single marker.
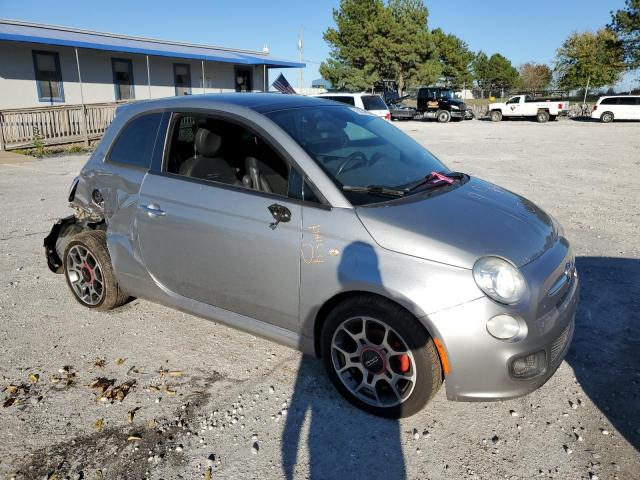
(123, 78)
(48, 76)
(182, 78)
(243, 79)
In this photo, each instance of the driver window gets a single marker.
(220, 151)
(513, 100)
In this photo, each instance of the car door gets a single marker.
(626, 109)
(219, 243)
(514, 108)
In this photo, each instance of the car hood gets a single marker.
(459, 226)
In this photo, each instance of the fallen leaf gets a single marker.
(99, 424)
(8, 402)
(170, 392)
(53, 476)
(207, 474)
(131, 414)
(120, 361)
(170, 373)
(153, 388)
(99, 475)
(34, 377)
(152, 423)
(133, 438)
(12, 389)
(101, 383)
(54, 379)
(99, 363)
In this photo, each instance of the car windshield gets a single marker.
(448, 94)
(358, 149)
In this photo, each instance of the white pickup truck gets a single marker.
(526, 106)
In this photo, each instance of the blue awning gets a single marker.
(68, 37)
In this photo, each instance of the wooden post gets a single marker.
(1, 132)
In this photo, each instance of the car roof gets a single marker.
(345, 94)
(618, 96)
(259, 102)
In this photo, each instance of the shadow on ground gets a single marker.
(605, 354)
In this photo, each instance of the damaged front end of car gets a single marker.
(88, 215)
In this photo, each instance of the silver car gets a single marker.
(327, 229)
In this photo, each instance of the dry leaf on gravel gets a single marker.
(109, 392)
(34, 377)
(207, 474)
(120, 361)
(99, 363)
(8, 402)
(131, 414)
(134, 438)
(99, 424)
(170, 373)
(152, 423)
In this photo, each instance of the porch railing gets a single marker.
(54, 125)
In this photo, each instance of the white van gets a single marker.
(622, 107)
(366, 101)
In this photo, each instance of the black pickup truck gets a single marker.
(441, 103)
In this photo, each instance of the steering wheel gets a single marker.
(354, 158)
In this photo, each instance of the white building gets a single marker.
(44, 65)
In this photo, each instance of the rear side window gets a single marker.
(627, 101)
(134, 145)
(341, 99)
(373, 102)
(609, 101)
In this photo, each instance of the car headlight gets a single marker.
(499, 280)
(455, 107)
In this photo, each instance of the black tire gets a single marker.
(542, 116)
(496, 115)
(427, 362)
(606, 117)
(443, 116)
(95, 242)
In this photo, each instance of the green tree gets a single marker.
(590, 59)
(355, 44)
(408, 45)
(482, 70)
(504, 74)
(455, 58)
(535, 76)
(626, 23)
(372, 41)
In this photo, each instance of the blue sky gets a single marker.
(520, 33)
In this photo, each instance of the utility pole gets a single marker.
(301, 51)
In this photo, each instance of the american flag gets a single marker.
(283, 86)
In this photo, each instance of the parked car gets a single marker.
(527, 106)
(398, 110)
(619, 107)
(442, 104)
(374, 104)
(329, 230)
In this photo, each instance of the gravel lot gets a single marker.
(211, 399)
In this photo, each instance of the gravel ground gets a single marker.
(212, 402)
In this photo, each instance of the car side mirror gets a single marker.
(280, 213)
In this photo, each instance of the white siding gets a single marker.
(18, 86)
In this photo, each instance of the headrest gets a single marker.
(207, 143)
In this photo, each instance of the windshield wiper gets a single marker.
(375, 190)
(436, 179)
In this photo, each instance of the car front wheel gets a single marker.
(87, 269)
(379, 357)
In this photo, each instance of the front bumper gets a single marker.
(479, 363)
(457, 113)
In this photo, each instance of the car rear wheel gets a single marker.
(443, 116)
(379, 357)
(87, 269)
(496, 115)
(606, 117)
(542, 116)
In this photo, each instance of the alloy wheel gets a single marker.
(85, 275)
(373, 361)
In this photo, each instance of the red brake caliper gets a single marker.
(404, 363)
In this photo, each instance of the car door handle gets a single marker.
(280, 213)
(153, 210)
